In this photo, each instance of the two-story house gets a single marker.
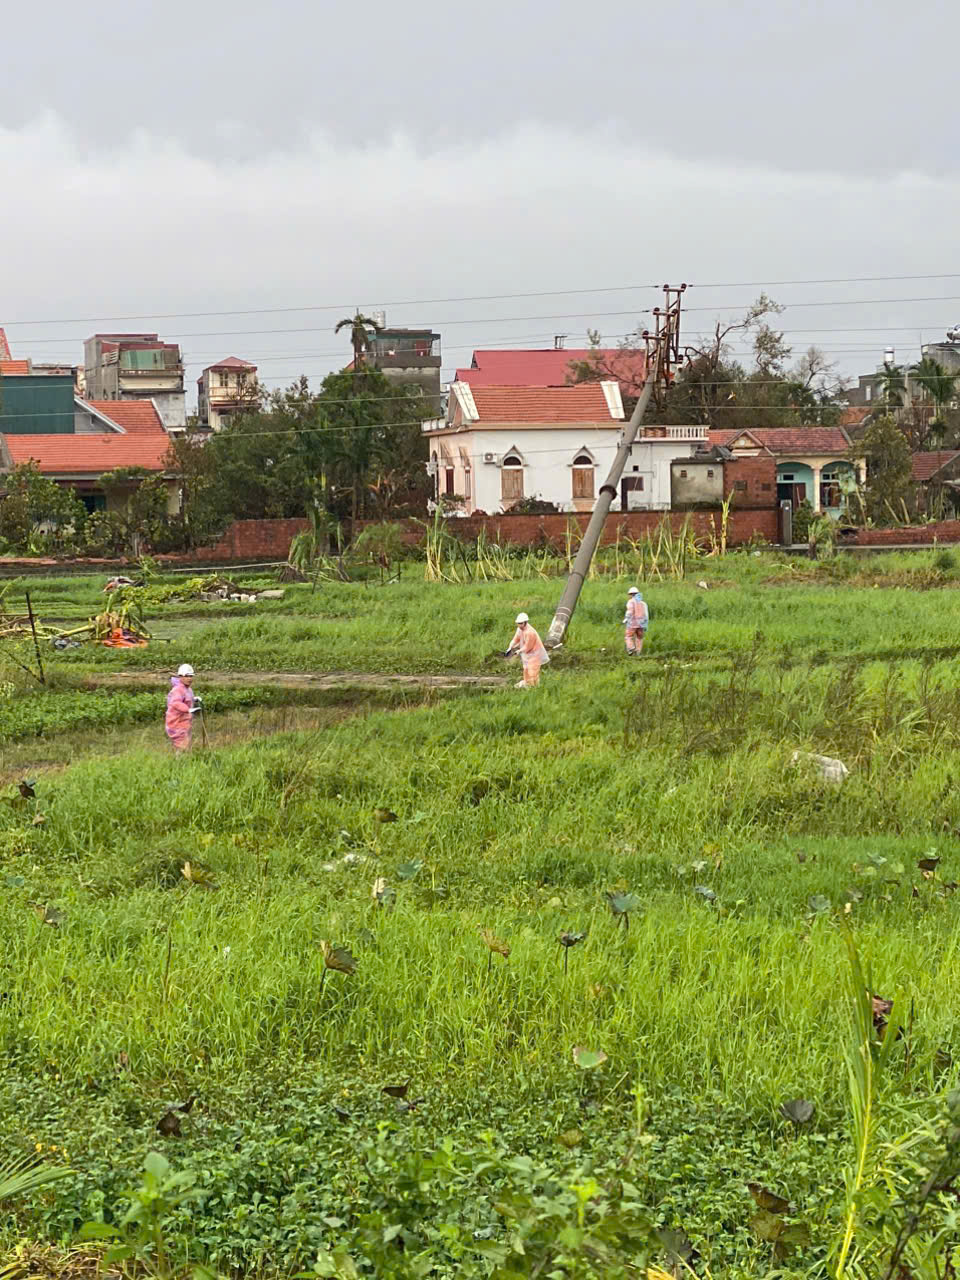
(224, 389)
(499, 445)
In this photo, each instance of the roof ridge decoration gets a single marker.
(611, 393)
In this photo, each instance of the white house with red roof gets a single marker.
(107, 434)
(812, 462)
(226, 388)
(498, 445)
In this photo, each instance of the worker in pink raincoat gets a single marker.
(182, 705)
(533, 655)
(636, 620)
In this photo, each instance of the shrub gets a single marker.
(104, 534)
(534, 507)
(384, 542)
(802, 519)
(38, 515)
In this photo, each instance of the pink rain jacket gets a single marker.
(637, 614)
(179, 721)
(529, 644)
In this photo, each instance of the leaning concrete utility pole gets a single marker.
(663, 353)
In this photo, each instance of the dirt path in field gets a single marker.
(46, 757)
(304, 680)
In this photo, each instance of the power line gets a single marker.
(841, 302)
(286, 431)
(320, 428)
(780, 284)
(347, 306)
(488, 297)
(567, 315)
(238, 333)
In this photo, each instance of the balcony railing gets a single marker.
(421, 348)
(434, 424)
(248, 391)
(673, 433)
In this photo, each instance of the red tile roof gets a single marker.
(814, 440)
(547, 405)
(532, 368)
(4, 346)
(854, 414)
(141, 442)
(14, 367)
(925, 465)
(134, 416)
(231, 362)
(88, 454)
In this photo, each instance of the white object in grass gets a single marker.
(830, 769)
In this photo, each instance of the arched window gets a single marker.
(511, 478)
(583, 484)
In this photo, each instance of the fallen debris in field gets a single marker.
(17, 626)
(121, 624)
(830, 770)
(169, 1123)
(224, 589)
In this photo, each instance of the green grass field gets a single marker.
(126, 987)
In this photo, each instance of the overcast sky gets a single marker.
(165, 159)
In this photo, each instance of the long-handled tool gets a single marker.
(198, 711)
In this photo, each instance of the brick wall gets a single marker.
(758, 475)
(752, 514)
(248, 540)
(527, 530)
(909, 535)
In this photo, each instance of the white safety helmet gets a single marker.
(185, 669)
(632, 591)
(522, 617)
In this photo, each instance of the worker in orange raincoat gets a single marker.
(636, 620)
(533, 655)
(182, 706)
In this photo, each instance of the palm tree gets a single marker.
(893, 386)
(939, 385)
(362, 329)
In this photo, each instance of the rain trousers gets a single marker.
(179, 718)
(532, 653)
